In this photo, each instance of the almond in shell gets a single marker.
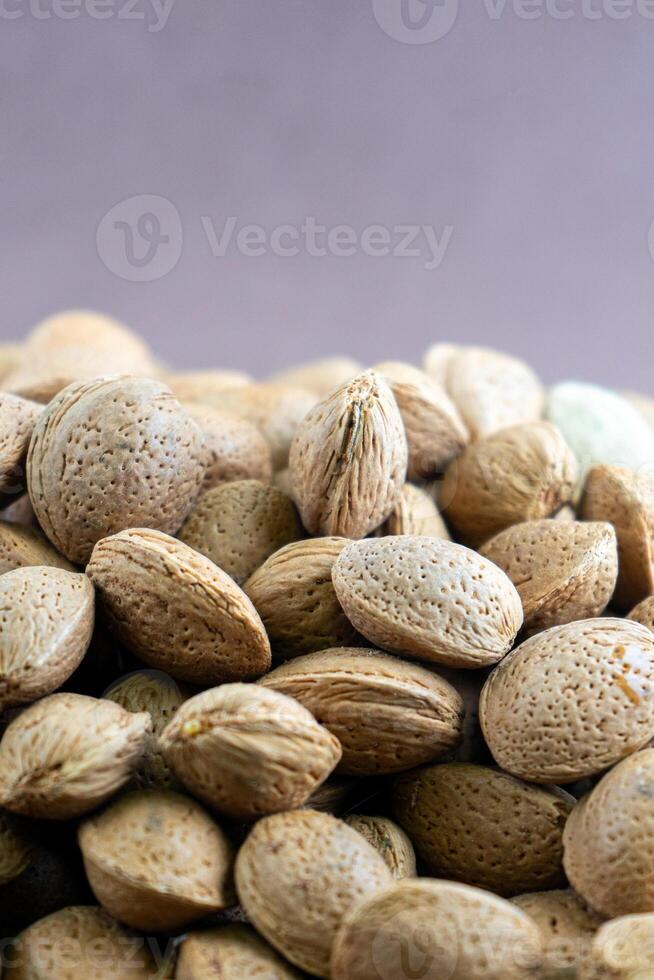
(415, 513)
(22, 546)
(567, 928)
(235, 448)
(390, 840)
(621, 950)
(17, 420)
(231, 952)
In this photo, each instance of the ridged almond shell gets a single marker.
(390, 840)
(415, 513)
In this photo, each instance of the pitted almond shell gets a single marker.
(21, 547)
(109, 454)
(46, 623)
(563, 570)
(177, 610)
(240, 524)
(389, 839)
(248, 750)
(17, 420)
(159, 695)
(621, 950)
(567, 927)
(15, 848)
(540, 711)
(450, 930)
(415, 513)
(156, 860)
(491, 390)
(231, 952)
(67, 754)
(608, 840)
(625, 499)
(293, 593)
(483, 827)
(427, 598)
(298, 874)
(235, 448)
(520, 474)
(434, 429)
(411, 715)
(81, 942)
(348, 459)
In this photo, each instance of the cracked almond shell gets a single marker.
(156, 860)
(176, 610)
(298, 874)
(67, 754)
(609, 840)
(109, 454)
(483, 827)
(522, 473)
(248, 750)
(46, 623)
(231, 952)
(540, 711)
(240, 524)
(411, 715)
(427, 598)
(563, 570)
(435, 929)
(348, 459)
(389, 839)
(293, 593)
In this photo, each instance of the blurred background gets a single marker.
(251, 184)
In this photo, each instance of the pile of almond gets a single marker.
(347, 673)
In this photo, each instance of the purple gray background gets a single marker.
(532, 138)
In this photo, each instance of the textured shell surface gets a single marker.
(411, 714)
(247, 750)
(15, 848)
(231, 952)
(348, 459)
(176, 609)
(622, 949)
(431, 599)
(298, 874)
(540, 711)
(567, 927)
(109, 454)
(415, 513)
(436, 929)
(235, 448)
(17, 420)
(276, 409)
(66, 754)
(389, 839)
(24, 546)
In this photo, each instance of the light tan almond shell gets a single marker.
(159, 695)
(109, 454)
(491, 390)
(80, 942)
(239, 525)
(298, 874)
(387, 714)
(626, 500)
(390, 840)
(563, 570)
(427, 598)
(435, 930)
(21, 547)
(415, 513)
(293, 593)
(644, 613)
(608, 849)
(203, 386)
(483, 827)
(177, 610)
(348, 459)
(67, 754)
(248, 750)
(321, 376)
(20, 511)
(567, 928)
(156, 860)
(621, 950)
(435, 432)
(519, 474)
(235, 448)
(233, 952)
(15, 848)
(17, 420)
(540, 711)
(84, 328)
(276, 409)
(11, 355)
(46, 623)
